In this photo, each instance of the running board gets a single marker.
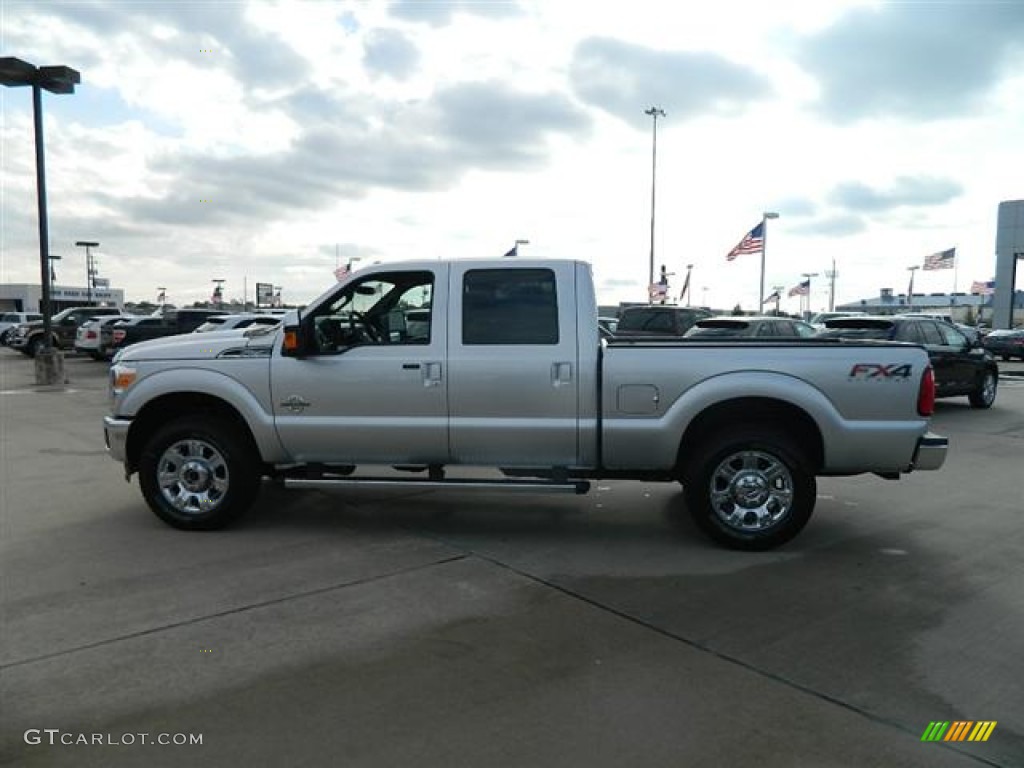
(578, 487)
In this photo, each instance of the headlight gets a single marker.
(121, 378)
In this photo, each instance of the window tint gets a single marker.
(509, 306)
(803, 330)
(150, 321)
(768, 329)
(951, 337)
(931, 333)
(909, 332)
(8, 318)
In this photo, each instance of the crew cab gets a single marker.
(434, 367)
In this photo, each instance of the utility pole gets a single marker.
(831, 275)
(90, 268)
(655, 113)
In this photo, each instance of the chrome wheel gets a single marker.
(751, 490)
(192, 476)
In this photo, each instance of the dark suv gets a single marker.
(658, 320)
(962, 366)
(28, 338)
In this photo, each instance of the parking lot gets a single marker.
(429, 628)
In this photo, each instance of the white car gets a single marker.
(233, 322)
(90, 338)
(11, 320)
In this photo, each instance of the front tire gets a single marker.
(750, 488)
(985, 394)
(199, 474)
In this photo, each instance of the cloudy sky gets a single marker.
(263, 141)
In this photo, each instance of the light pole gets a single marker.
(910, 290)
(686, 286)
(832, 275)
(807, 277)
(777, 290)
(90, 270)
(655, 113)
(162, 297)
(55, 79)
(764, 247)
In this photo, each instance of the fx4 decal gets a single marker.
(880, 371)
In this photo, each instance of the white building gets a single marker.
(25, 297)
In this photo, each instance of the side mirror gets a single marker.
(295, 341)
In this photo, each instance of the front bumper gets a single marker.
(931, 451)
(115, 435)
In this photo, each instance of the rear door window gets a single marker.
(509, 306)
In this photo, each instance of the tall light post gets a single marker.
(832, 275)
(61, 80)
(910, 290)
(687, 290)
(764, 248)
(655, 113)
(162, 297)
(807, 278)
(90, 270)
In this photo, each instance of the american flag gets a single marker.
(342, 272)
(752, 242)
(657, 291)
(984, 287)
(161, 297)
(941, 260)
(801, 289)
(218, 295)
(774, 297)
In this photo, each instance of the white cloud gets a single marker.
(397, 135)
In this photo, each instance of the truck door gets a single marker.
(513, 368)
(374, 388)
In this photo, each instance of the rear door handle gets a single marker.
(561, 374)
(431, 374)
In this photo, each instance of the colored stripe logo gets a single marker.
(959, 730)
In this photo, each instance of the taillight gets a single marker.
(926, 393)
(119, 336)
(90, 334)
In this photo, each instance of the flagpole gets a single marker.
(764, 248)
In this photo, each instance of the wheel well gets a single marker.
(776, 414)
(163, 410)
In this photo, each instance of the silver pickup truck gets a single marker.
(435, 366)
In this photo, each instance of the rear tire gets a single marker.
(199, 473)
(985, 394)
(750, 488)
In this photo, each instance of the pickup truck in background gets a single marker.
(29, 338)
(434, 366)
(170, 323)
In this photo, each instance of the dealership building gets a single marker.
(25, 297)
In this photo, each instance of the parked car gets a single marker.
(170, 323)
(962, 366)
(731, 327)
(94, 336)
(231, 322)
(818, 320)
(1005, 344)
(28, 338)
(658, 320)
(11, 320)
